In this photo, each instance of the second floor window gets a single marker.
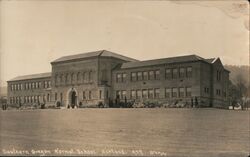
(189, 72)
(157, 74)
(182, 72)
(133, 76)
(139, 76)
(124, 76)
(151, 75)
(118, 78)
(175, 73)
(145, 75)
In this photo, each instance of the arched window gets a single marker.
(90, 76)
(72, 78)
(61, 79)
(56, 79)
(78, 77)
(66, 78)
(48, 97)
(84, 77)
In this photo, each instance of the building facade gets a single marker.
(92, 78)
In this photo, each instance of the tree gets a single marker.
(237, 91)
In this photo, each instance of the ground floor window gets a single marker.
(188, 92)
(174, 92)
(157, 93)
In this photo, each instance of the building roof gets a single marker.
(210, 60)
(188, 58)
(33, 76)
(104, 53)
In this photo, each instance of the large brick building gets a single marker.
(102, 76)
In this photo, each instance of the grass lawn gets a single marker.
(135, 131)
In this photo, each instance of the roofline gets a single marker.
(164, 64)
(75, 59)
(28, 79)
(34, 77)
(86, 58)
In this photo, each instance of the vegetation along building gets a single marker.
(105, 77)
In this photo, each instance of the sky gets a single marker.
(34, 33)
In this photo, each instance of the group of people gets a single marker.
(4, 106)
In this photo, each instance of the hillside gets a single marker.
(3, 91)
(238, 72)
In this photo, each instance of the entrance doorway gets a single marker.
(73, 99)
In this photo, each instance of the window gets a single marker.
(167, 92)
(189, 72)
(124, 76)
(32, 99)
(157, 74)
(55, 96)
(107, 94)
(133, 94)
(181, 92)
(33, 85)
(39, 84)
(78, 77)
(90, 76)
(48, 97)
(124, 94)
(68, 78)
(218, 75)
(84, 77)
(206, 90)
(72, 78)
(182, 72)
(188, 92)
(45, 84)
(145, 75)
(151, 75)
(175, 73)
(144, 93)
(168, 74)
(133, 76)
(218, 92)
(61, 79)
(174, 92)
(100, 94)
(118, 77)
(90, 95)
(118, 94)
(139, 76)
(49, 84)
(35, 98)
(151, 93)
(138, 94)
(56, 79)
(83, 95)
(61, 96)
(157, 93)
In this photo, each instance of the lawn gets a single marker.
(158, 131)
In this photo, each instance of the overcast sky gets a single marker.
(34, 33)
